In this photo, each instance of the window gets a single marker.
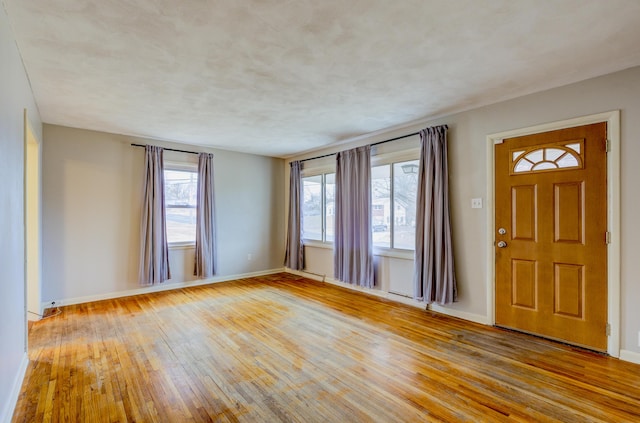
(405, 189)
(548, 157)
(318, 207)
(180, 191)
(393, 214)
(329, 206)
(312, 208)
(393, 205)
(381, 205)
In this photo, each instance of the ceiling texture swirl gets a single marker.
(278, 78)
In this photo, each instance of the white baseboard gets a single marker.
(397, 298)
(310, 275)
(630, 356)
(158, 288)
(324, 278)
(460, 314)
(10, 406)
(406, 300)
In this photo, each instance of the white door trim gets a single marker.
(613, 213)
(32, 213)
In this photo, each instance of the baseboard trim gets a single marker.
(630, 356)
(9, 407)
(323, 278)
(395, 297)
(159, 288)
(460, 314)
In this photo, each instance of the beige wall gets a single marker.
(468, 176)
(33, 225)
(92, 190)
(15, 96)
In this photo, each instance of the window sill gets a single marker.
(377, 251)
(182, 245)
(317, 244)
(393, 252)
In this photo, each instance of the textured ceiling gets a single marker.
(280, 77)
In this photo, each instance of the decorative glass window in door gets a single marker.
(548, 157)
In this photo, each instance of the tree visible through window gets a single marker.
(180, 188)
(318, 207)
(405, 189)
(393, 214)
(381, 213)
(312, 207)
(329, 206)
(393, 205)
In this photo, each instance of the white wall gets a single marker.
(468, 176)
(92, 191)
(15, 96)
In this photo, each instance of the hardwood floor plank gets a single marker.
(289, 349)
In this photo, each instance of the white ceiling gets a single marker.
(278, 77)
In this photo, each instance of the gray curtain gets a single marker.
(205, 262)
(154, 249)
(353, 247)
(294, 254)
(435, 279)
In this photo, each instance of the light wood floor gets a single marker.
(285, 348)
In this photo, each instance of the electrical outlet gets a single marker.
(249, 256)
(476, 203)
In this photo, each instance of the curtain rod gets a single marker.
(168, 149)
(372, 144)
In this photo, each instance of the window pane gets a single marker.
(330, 191)
(180, 188)
(568, 160)
(312, 207)
(381, 205)
(523, 165)
(552, 154)
(405, 185)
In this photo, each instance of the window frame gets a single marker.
(180, 167)
(391, 159)
(322, 171)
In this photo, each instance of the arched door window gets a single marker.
(550, 157)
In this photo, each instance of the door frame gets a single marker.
(32, 181)
(612, 119)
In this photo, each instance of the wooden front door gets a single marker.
(551, 239)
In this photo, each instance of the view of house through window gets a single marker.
(393, 209)
(329, 205)
(312, 207)
(180, 188)
(318, 207)
(393, 205)
(381, 205)
(405, 189)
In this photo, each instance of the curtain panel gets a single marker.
(353, 246)
(434, 274)
(294, 253)
(154, 249)
(205, 254)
